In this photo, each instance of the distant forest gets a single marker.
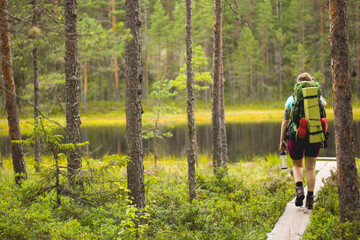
(266, 44)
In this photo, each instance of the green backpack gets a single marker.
(308, 105)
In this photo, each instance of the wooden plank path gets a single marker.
(294, 220)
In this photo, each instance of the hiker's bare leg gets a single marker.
(310, 163)
(297, 169)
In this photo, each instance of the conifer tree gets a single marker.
(348, 185)
(134, 145)
(10, 95)
(72, 84)
(192, 146)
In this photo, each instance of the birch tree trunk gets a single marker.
(192, 146)
(37, 147)
(216, 88)
(348, 185)
(72, 84)
(10, 96)
(133, 76)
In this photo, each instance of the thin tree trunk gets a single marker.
(111, 91)
(2, 83)
(224, 152)
(322, 45)
(216, 110)
(133, 76)
(146, 55)
(72, 84)
(116, 69)
(57, 98)
(249, 14)
(192, 146)
(348, 185)
(13, 118)
(85, 83)
(156, 131)
(303, 34)
(357, 30)
(37, 147)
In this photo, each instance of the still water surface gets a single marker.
(245, 140)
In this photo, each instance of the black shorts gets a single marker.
(297, 148)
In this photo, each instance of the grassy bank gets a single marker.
(113, 114)
(243, 205)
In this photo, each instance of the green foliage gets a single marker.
(235, 207)
(325, 219)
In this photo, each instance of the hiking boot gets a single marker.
(301, 132)
(309, 202)
(299, 196)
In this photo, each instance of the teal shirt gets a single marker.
(290, 104)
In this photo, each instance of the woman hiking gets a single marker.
(298, 145)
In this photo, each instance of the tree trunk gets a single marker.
(303, 35)
(348, 185)
(357, 49)
(224, 157)
(146, 55)
(85, 83)
(322, 45)
(116, 69)
(37, 147)
(72, 84)
(10, 95)
(192, 146)
(249, 14)
(133, 76)
(111, 91)
(216, 110)
(2, 84)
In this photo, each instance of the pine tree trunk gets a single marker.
(216, 110)
(37, 147)
(224, 152)
(10, 95)
(192, 146)
(85, 83)
(116, 69)
(72, 84)
(249, 14)
(357, 30)
(134, 144)
(2, 84)
(322, 45)
(348, 185)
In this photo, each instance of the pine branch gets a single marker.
(241, 16)
(30, 103)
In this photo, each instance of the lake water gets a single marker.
(244, 141)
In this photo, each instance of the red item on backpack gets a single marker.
(302, 130)
(324, 125)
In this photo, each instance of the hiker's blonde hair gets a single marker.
(304, 77)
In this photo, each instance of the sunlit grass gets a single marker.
(233, 114)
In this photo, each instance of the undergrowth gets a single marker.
(325, 219)
(235, 207)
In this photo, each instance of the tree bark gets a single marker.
(348, 185)
(224, 152)
(133, 76)
(10, 96)
(85, 83)
(72, 84)
(192, 146)
(357, 49)
(216, 88)
(116, 69)
(37, 147)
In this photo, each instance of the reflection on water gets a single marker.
(244, 141)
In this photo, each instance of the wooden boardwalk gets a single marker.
(294, 220)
